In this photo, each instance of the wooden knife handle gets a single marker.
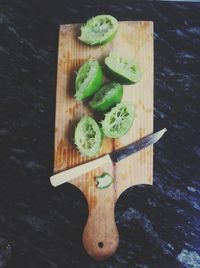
(100, 236)
(77, 171)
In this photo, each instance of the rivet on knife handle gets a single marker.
(77, 171)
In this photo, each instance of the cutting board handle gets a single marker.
(100, 236)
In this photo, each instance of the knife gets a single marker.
(112, 157)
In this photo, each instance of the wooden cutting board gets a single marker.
(133, 40)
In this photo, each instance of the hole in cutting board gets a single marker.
(100, 244)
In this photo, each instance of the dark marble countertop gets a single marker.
(41, 226)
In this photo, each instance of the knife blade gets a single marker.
(136, 146)
(114, 156)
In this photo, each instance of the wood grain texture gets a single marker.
(133, 40)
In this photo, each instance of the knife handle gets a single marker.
(77, 171)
